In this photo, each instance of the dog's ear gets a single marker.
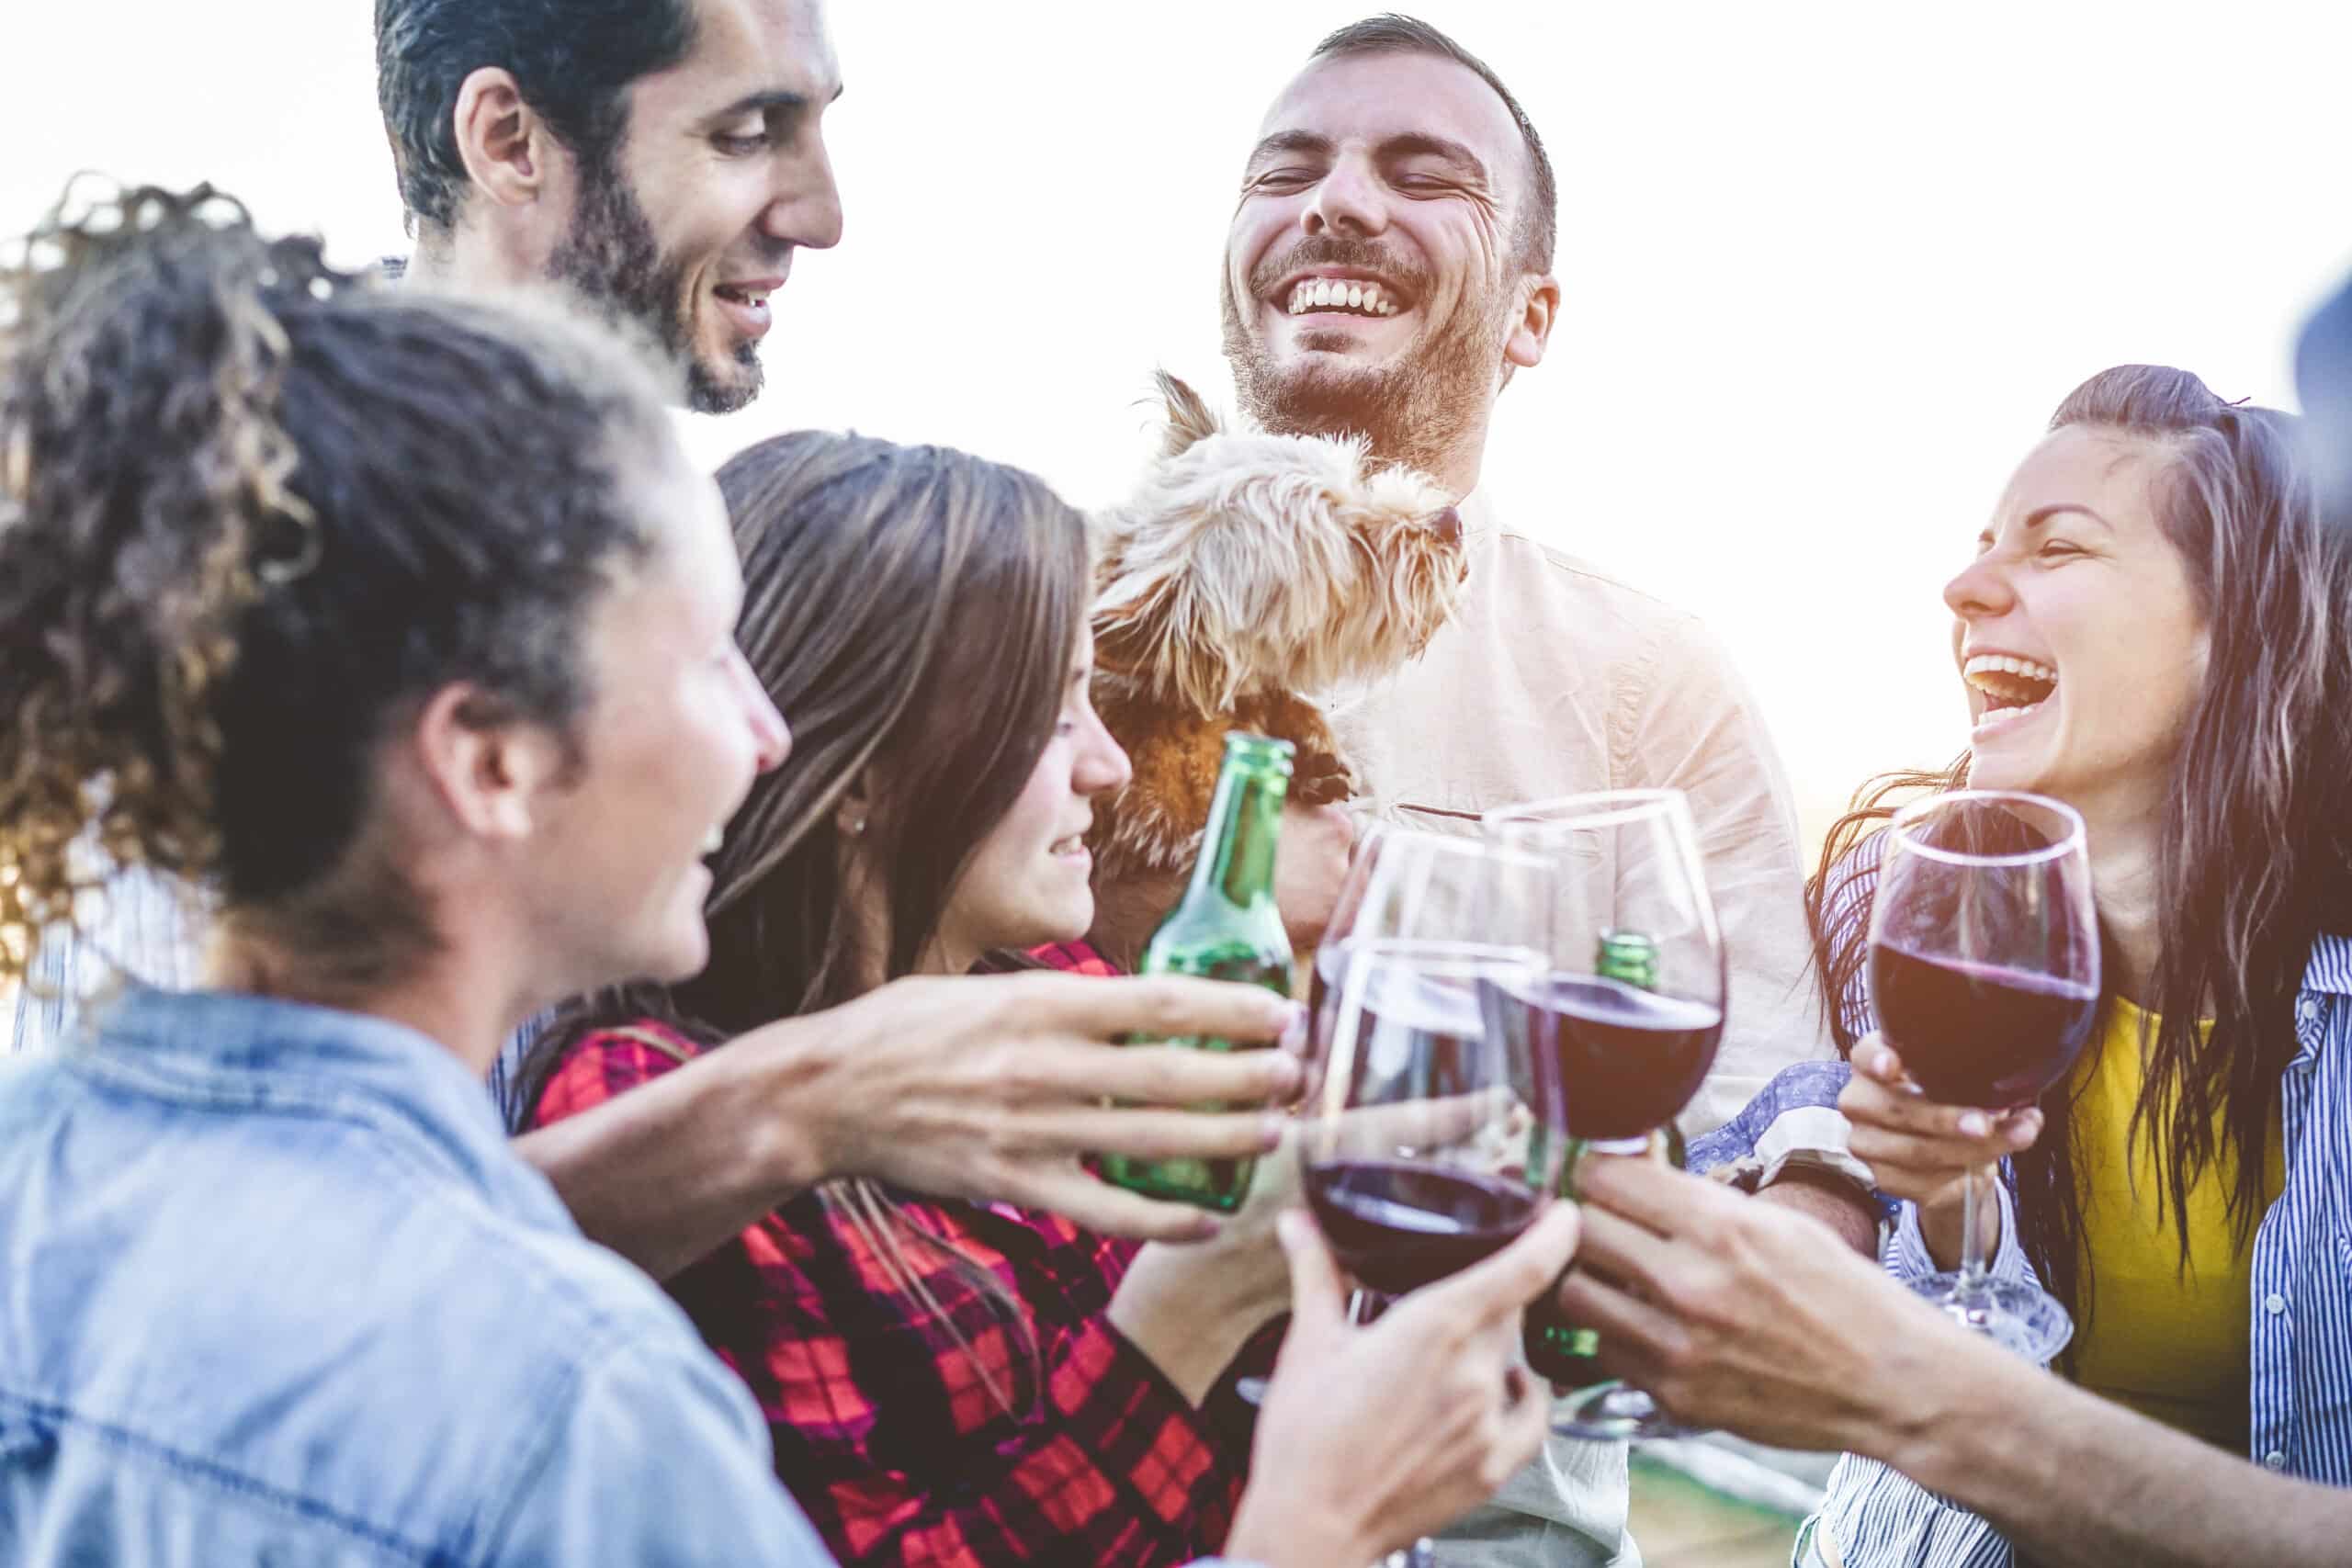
(1189, 418)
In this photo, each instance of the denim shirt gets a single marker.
(273, 1289)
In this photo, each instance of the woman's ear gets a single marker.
(853, 812)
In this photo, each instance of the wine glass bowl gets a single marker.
(1424, 1153)
(1630, 1010)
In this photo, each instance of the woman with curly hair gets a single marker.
(403, 623)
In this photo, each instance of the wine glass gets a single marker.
(1411, 1120)
(1430, 1140)
(1628, 1014)
(1984, 973)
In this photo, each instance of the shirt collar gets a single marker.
(2330, 969)
(228, 1051)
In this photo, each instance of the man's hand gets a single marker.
(1746, 1317)
(1373, 1437)
(1922, 1151)
(1837, 1203)
(993, 1088)
(1309, 864)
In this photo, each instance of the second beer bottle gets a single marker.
(1225, 928)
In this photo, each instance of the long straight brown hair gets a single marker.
(2254, 860)
(914, 612)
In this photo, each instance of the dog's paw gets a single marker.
(1318, 778)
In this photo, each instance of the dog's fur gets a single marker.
(1250, 575)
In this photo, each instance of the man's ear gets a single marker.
(489, 769)
(1532, 332)
(508, 149)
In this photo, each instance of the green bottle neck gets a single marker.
(1237, 863)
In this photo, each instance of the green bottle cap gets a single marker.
(1628, 957)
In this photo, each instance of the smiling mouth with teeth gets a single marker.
(1351, 296)
(2012, 687)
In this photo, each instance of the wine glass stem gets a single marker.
(1970, 1284)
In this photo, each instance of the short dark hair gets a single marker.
(256, 509)
(572, 60)
(1394, 33)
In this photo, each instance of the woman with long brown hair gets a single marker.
(945, 1382)
(2153, 632)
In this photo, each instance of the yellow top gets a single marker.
(2172, 1344)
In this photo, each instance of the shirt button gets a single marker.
(2274, 1459)
(2274, 1303)
(2307, 1009)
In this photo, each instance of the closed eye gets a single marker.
(1285, 179)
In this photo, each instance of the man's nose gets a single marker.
(1349, 200)
(805, 207)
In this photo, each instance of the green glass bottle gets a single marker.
(1556, 1350)
(1225, 928)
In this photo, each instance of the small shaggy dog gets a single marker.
(1250, 575)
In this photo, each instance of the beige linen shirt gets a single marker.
(1553, 679)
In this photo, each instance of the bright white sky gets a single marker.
(1827, 267)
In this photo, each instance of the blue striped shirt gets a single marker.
(2301, 1307)
(147, 930)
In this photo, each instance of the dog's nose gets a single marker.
(1448, 523)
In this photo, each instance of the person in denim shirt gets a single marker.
(379, 611)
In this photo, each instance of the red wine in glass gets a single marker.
(1628, 1060)
(1397, 1226)
(1979, 1034)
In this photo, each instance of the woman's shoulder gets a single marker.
(606, 1060)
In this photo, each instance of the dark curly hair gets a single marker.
(253, 509)
(571, 60)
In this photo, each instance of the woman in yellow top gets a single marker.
(2143, 635)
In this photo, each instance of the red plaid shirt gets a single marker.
(884, 1427)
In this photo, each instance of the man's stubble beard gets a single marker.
(1416, 412)
(612, 259)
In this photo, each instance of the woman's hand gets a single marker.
(1922, 1151)
(998, 1088)
(1192, 1307)
(1371, 1437)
